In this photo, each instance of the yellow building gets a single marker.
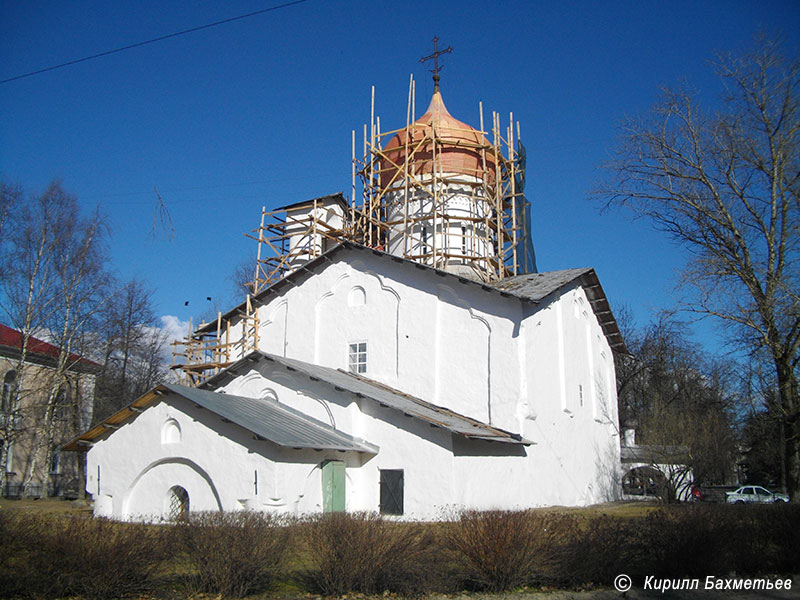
(42, 406)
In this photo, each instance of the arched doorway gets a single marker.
(645, 481)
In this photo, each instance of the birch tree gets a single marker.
(28, 298)
(54, 282)
(83, 288)
(725, 184)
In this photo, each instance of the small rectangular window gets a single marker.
(391, 492)
(55, 463)
(357, 357)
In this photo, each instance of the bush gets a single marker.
(687, 541)
(604, 547)
(56, 557)
(764, 539)
(362, 552)
(15, 530)
(234, 553)
(505, 549)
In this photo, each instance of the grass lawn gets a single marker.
(53, 505)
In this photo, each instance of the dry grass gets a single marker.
(47, 505)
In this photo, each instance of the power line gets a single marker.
(154, 40)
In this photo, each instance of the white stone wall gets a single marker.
(545, 372)
(218, 464)
(569, 358)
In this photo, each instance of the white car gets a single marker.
(754, 494)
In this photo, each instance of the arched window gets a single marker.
(171, 432)
(55, 463)
(177, 503)
(9, 385)
(357, 296)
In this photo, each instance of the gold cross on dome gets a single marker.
(435, 56)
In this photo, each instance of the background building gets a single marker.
(42, 407)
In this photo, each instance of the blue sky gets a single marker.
(259, 111)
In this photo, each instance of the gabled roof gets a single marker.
(361, 387)
(535, 287)
(532, 288)
(654, 454)
(267, 419)
(40, 352)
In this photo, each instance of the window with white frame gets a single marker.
(357, 357)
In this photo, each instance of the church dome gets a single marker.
(460, 148)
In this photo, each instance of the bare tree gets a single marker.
(9, 199)
(28, 298)
(82, 285)
(133, 347)
(682, 405)
(53, 261)
(726, 185)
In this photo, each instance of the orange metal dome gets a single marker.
(460, 149)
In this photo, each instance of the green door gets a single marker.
(333, 486)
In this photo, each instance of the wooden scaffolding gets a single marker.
(380, 214)
(211, 347)
(496, 185)
(295, 234)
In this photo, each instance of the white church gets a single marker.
(398, 354)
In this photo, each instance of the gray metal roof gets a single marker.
(654, 454)
(273, 421)
(267, 419)
(384, 396)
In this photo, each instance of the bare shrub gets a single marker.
(504, 549)
(362, 552)
(16, 528)
(234, 553)
(80, 556)
(687, 541)
(605, 547)
(763, 539)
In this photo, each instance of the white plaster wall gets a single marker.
(545, 372)
(578, 444)
(423, 452)
(571, 463)
(216, 462)
(421, 330)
